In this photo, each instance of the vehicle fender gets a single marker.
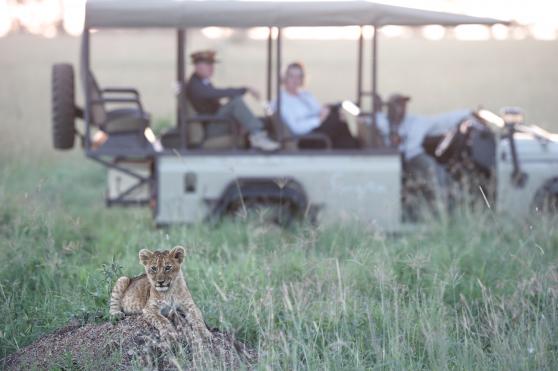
(549, 188)
(263, 189)
(553, 186)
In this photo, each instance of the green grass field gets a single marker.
(474, 293)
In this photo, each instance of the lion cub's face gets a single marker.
(162, 267)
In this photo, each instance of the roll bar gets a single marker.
(181, 52)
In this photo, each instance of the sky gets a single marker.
(537, 18)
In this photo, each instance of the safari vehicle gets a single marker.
(187, 178)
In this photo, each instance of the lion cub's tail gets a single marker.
(117, 292)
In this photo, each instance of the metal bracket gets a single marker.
(141, 180)
(518, 177)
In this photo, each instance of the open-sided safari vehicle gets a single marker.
(186, 178)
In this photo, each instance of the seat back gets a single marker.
(197, 136)
(196, 132)
(368, 135)
(98, 111)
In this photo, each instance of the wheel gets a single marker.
(546, 199)
(63, 106)
(264, 212)
(547, 204)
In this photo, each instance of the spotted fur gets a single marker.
(161, 287)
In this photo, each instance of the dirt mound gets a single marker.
(130, 343)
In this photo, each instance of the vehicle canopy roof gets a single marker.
(246, 14)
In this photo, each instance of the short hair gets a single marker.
(295, 65)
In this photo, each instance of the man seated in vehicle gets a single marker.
(205, 98)
(303, 114)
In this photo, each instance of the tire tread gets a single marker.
(63, 106)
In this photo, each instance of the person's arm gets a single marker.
(299, 121)
(204, 91)
(315, 109)
(315, 106)
(413, 130)
(447, 121)
(382, 125)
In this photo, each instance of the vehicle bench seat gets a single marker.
(291, 142)
(171, 140)
(117, 120)
(125, 119)
(197, 132)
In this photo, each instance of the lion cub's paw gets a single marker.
(117, 316)
(169, 334)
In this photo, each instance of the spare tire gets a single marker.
(63, 106)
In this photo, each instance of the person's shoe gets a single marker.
(260, 140)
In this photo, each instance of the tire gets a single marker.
(262, 200)
(546, 199)
(63, 106)
(265, 212)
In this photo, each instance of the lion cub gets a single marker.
(161, 286)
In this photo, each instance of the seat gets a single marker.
(197, 137)
(368, 134)
(293, 142)
(120, 120)
(123, 131)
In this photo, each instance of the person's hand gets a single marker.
(253, 92)
(395, 139)
(267, 107)
(324, 112)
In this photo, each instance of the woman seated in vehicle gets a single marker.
(302, 113)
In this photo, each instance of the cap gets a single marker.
(397, 97)
(207, 56)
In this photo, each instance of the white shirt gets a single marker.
(301, 112)
(414, 129)
(382, 124)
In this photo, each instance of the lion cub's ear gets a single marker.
(144, 256)
(178, 253)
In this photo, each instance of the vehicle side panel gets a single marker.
(540, 164)
(119, 183)
(343, 188)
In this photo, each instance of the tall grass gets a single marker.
(474, 293)
(471, 294)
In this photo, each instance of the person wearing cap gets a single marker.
(413, 129)
(408, 132)
(206, 99)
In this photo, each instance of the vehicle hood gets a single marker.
(533, 144)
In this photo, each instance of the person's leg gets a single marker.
(337, 130)
(423, 186)
(238, 111)
(442, 183)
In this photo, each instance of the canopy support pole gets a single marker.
(374, 74)
(181, 94)
(278, 87)
(359, 67)
(269, 64)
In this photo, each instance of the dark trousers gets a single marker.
(336, 129)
